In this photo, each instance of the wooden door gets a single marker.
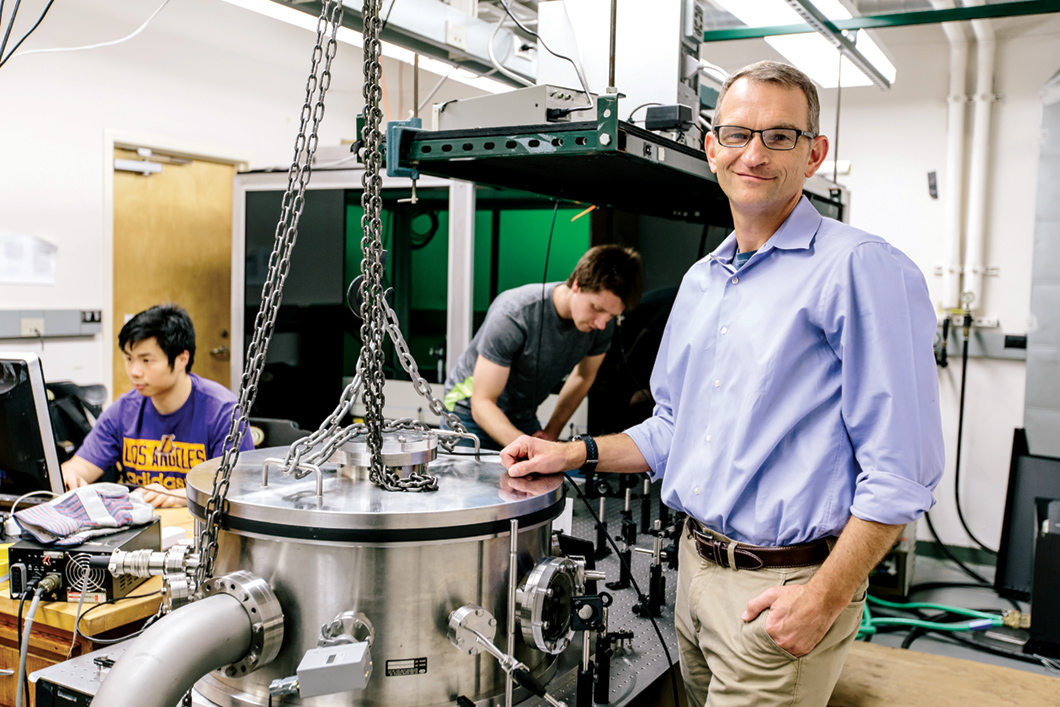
(173, 243)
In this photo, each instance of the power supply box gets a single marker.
(30, 561)
(534, 105)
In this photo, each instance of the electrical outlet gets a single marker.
(91, 316)
(456, 35)
(986, 322)
(31, 326)
(523, 49)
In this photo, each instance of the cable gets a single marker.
(10, 24)
(77, 612)
(422, 240)
(1032, 658)
(541, 309)
(946, 551)
(49, 584)
(636, 588)
(111, 641)
(496, 64)
(642, 105)
(18, 624)
(577, 69)
(22, 688)
(929, 586)
(3, 59)
(909, 606)
(960, 436)
(24, 496)
(95, 46)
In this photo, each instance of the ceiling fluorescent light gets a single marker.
(812, 53)
(346, 35)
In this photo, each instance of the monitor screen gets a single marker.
(28, 461)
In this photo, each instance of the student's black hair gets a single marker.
(171, 327)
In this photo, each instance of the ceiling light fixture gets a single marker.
(863, 62)
(346, 35)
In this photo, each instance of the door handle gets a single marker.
(220, 351)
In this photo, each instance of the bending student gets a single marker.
(170, 422)
(531, 338)
(797, 415)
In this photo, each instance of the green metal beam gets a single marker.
(816, 19)
(897, 19)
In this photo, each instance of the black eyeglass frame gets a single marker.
(799, 133)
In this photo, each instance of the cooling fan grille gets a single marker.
(76, 570)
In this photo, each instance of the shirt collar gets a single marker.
(796, 233)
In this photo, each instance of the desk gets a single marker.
(53, 626)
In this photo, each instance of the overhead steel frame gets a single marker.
(838, 39)
(897, 19)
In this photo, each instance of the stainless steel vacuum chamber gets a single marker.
(404, 561)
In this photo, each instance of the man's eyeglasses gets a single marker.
(773, 138)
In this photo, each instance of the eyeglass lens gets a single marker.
(773, 138)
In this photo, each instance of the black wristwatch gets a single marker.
(592, 456)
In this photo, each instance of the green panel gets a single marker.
(430, 264)
(895, 19)
(524, 235)
(524, 241)
(480, 292)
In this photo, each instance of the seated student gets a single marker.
(173, 419)
(533, 336)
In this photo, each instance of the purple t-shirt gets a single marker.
(160, 449)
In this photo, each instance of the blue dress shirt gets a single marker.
(799, 389)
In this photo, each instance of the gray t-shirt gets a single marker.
(519, 325)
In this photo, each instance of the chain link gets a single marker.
(372, 324)
(279, 263)
(419, 382)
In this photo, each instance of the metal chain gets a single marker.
(279, 263)
(327, 428)
(419, 382)
(372, 323)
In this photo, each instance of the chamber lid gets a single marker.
(473, 498)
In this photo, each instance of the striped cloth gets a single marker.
(86, 512)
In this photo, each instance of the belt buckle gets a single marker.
(721, 559)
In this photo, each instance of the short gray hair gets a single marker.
(779, 74)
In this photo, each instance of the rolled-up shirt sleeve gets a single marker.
(881, 326)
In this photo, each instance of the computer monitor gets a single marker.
(28, 460)
(1033, 483)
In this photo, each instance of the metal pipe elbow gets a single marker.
(166, 660)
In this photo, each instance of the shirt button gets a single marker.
(717, 384)
(725, 330)
(696, 490)
(735, 280)
(708, 438)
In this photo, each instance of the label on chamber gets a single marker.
(412, 666)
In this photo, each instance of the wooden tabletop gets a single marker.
(61, 615)
(880, 676)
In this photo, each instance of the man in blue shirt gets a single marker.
(796, 421)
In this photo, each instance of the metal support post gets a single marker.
(461, 267)
(602, 550)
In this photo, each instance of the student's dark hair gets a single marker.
(612, 268)
(171, 327)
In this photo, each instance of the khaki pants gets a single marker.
(727, 662)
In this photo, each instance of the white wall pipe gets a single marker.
(975, 243)
(953, 178)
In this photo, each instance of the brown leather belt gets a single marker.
(753, 557)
